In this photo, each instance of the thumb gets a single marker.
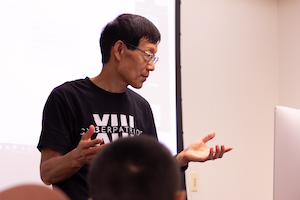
(87, 135)
(208, 137)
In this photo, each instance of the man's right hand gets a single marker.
(56, 167)
(87, 148)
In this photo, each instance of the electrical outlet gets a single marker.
(194, 182)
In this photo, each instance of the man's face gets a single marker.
(134, 68)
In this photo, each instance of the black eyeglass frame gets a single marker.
(152, 57)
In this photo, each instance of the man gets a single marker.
(135, 168)
(79, 115)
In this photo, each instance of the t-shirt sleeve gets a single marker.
(151, 127)
(56, 123)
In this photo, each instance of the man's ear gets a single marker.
(180, 195)
(118, 49)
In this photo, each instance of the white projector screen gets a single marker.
(46, 43)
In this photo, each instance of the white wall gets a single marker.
(289, 48)
(230, 86)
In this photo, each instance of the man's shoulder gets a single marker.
(73, 83)
(72, 86)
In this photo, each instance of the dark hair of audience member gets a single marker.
(134, 168)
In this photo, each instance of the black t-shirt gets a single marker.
(73, 106)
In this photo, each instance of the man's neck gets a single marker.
(107, 81)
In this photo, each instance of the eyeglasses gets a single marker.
(152, 57)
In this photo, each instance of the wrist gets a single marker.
(75, 160)
(182, 162)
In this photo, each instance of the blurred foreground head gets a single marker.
(32, 192)
(134, 168)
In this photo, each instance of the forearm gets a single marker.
(57, 169)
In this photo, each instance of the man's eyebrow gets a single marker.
(150, 49)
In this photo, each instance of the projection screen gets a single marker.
(46, 43)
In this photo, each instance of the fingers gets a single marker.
(87, 135)
(208, 137)
(222, 151)
(86, 150)
(87, 138)
(93, 151)
(211, 154)
(228, 149)
(219, 152)
(95, 142)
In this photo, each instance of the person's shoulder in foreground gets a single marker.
(135, 168)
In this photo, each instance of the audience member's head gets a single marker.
(32, 192)
(135, 168)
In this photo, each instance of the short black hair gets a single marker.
(129, 28)
(134, 168)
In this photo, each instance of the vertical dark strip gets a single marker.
(178, 84)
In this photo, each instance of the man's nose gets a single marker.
(151, 66)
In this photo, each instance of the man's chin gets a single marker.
(137, 86)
